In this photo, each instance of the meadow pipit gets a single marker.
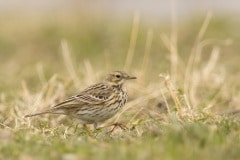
(96, 103)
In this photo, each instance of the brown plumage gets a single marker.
(96, 103)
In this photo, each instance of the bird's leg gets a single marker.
(95, 126)
(122, 126)
(76, 128)
(86, 128)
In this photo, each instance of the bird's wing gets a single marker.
(93, 95)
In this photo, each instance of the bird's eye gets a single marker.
(118, 76)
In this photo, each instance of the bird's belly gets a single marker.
(98, 113)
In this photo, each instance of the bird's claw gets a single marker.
(115, 125)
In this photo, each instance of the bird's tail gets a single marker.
(40, 113)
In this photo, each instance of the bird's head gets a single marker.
(118, 77)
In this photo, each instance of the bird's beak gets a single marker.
(131, 77)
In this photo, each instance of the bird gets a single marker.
(95, 104)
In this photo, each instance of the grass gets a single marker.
(184, 104)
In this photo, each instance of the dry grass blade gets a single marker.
(194, 59)
(133, 41)
(68, 62)
(173, 40)
(148, 46)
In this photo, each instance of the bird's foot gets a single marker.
(87, 129)
(115, 125)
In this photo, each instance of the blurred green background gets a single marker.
(31, 34)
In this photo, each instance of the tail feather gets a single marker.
(50, 111)
(37, 114)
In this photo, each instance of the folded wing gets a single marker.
(94, 95)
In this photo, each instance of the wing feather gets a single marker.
(94, 95)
